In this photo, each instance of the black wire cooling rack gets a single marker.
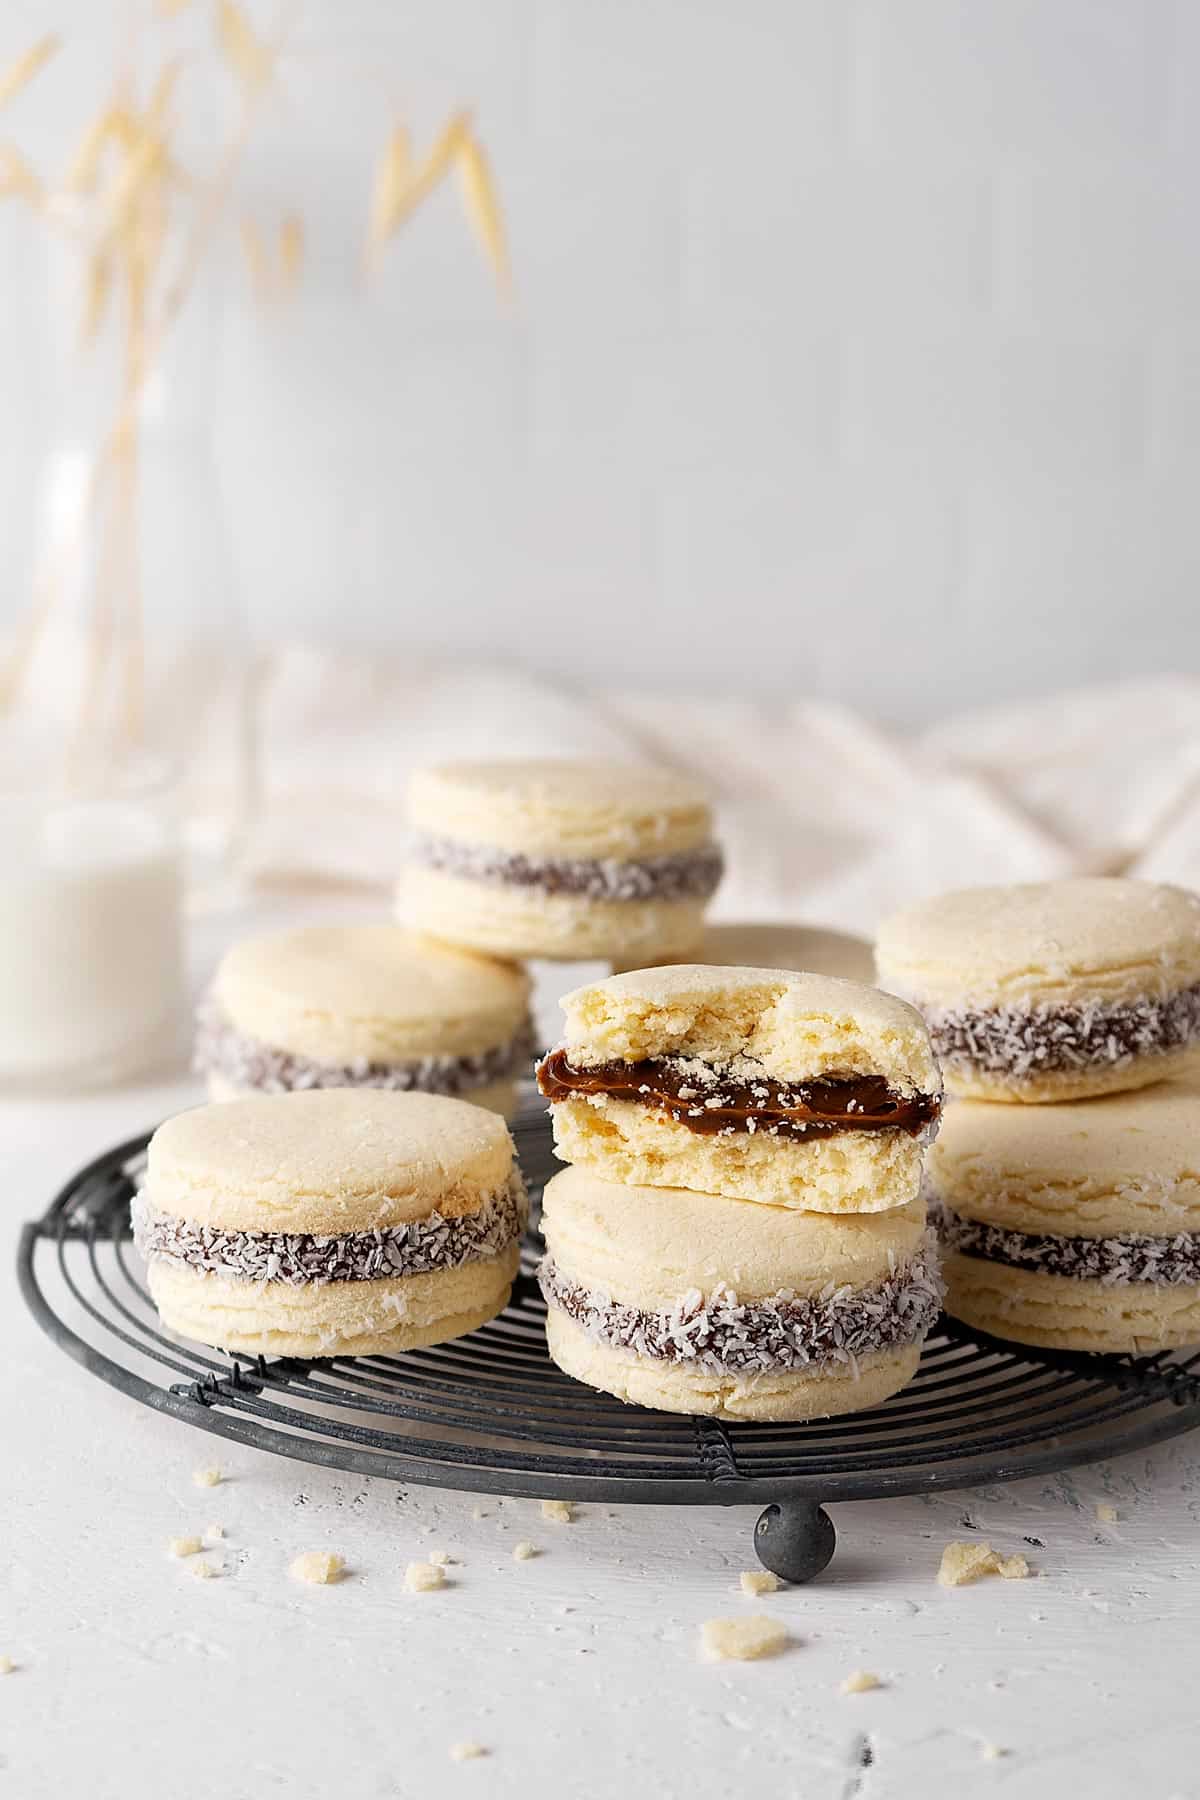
(491, 1413)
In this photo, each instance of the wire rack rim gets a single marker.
(224, 1399)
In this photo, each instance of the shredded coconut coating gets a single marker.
(305, 1259)
(246, 1062)
(1014, 1040)
(782, 1332)
(1116, 1261)
(686, 875)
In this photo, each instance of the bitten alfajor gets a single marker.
(1054, 990)
(761, 1084)
(570, 860)
(691, 1303)
(1075, 1226)
(334, 1223)
(368, 1006)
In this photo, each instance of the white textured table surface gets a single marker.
(578, 1670)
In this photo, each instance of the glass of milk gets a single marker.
(92, 985)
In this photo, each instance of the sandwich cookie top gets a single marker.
(327, 1160)
(370, 1005)
(681, 1276)
(603, 831)
(814, 948)
(1052, 976)
(727, 1051)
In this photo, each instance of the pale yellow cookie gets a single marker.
(1074, 1226)
(1060, 1312)
(1053, 990)
(364, 1006)
(1089, 1168)
(694, 1303)
(569, 860)
(795, 1090)
(328, 1223)
(813, 948)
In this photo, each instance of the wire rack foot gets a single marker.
(795, 1539)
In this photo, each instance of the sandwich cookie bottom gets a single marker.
(786, 1395)
(1076, 1226)
(331, 1222)
(694, 1303)
(531, 922)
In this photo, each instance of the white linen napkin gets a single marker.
(826, 816)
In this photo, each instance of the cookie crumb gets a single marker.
(523, 1551)
(466, 1752)
(202, 1569)
(992, 1752)
(318, 1567)
(742, 1640)
(184, 1546)
(440, 1558)
(859, 1681)
(966, 1562)
(1107, 1515)
(210, 1477)
(759, 1581)
(216, 1532)
(1013, 1568)
(559, 1512)
(424, 1577)
(7, 1666)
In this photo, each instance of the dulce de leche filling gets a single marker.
(714, 1103)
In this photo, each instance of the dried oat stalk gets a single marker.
(143, 224)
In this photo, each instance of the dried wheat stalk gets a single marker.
(144, 226)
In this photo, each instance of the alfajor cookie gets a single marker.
(815, 948)
(367, 1006)
(1074, 1226)
(343, 1222)
(1054, 990)
(691, 1303)
(761, 1084)
(569, 860)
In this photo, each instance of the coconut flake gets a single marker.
(304, 1258)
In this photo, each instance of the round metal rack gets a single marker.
(491, 1413)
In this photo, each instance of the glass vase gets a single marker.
(133, 642)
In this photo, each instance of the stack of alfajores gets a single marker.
(741, 1231)
(1065, 1184)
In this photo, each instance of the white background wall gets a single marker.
(856, 348)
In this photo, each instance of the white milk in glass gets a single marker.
(91, 960)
